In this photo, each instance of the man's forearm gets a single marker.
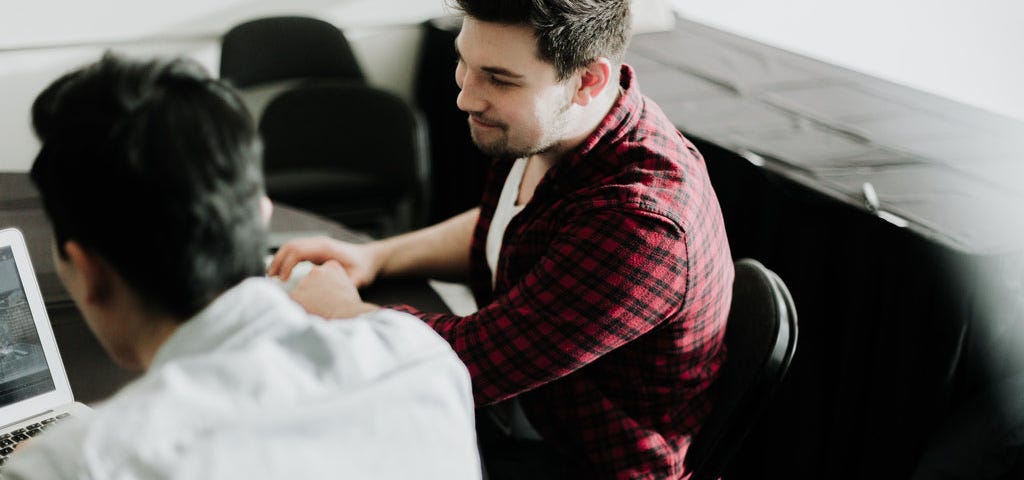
(440, 250)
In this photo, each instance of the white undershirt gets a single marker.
(503, 214)
(508, 415)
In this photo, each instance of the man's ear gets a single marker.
(594, 78)
(94, 273)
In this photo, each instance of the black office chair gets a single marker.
(267, 56)
(760, 339)
(281, 48)
(353, 153)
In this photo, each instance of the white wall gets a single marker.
(44, 38)
(932, 45)
(966, 50)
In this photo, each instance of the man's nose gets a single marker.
(469, 99)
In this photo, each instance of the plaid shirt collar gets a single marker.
(575, 170)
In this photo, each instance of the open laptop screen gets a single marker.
(24, 372)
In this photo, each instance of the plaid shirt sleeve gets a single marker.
(608, 311)
(609, 276)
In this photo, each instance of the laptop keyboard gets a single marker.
(10, 440)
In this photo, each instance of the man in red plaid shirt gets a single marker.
(598, 254)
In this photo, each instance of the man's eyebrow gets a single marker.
(492, 70)
(501, 71)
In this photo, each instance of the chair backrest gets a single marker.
(370, 142)
(281, 48)
(760, 340)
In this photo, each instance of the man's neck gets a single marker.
(540, 163)
(157, 334)
(589, 120)
(142, 333)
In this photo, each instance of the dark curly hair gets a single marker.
(155, 166)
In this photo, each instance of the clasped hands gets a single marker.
(331, 289)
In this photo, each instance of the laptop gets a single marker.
(34, 390)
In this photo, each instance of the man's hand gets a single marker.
(327, 291)
(360, 262)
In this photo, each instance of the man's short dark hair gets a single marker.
(570, 33)
(155, 167)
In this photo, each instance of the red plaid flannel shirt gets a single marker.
(613, 288)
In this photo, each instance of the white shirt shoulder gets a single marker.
(281, 394)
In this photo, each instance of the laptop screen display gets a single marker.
(24, 372)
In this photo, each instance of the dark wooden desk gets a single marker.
(910, 305)
(92, 374)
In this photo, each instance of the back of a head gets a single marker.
(570, 33)
(155, 167)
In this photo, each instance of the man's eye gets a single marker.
(500, 83)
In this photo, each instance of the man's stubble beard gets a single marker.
(500, 148)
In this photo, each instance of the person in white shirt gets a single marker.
(149, 172)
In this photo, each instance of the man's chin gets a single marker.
(498, 148)
(492, 149)
(496, 152)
